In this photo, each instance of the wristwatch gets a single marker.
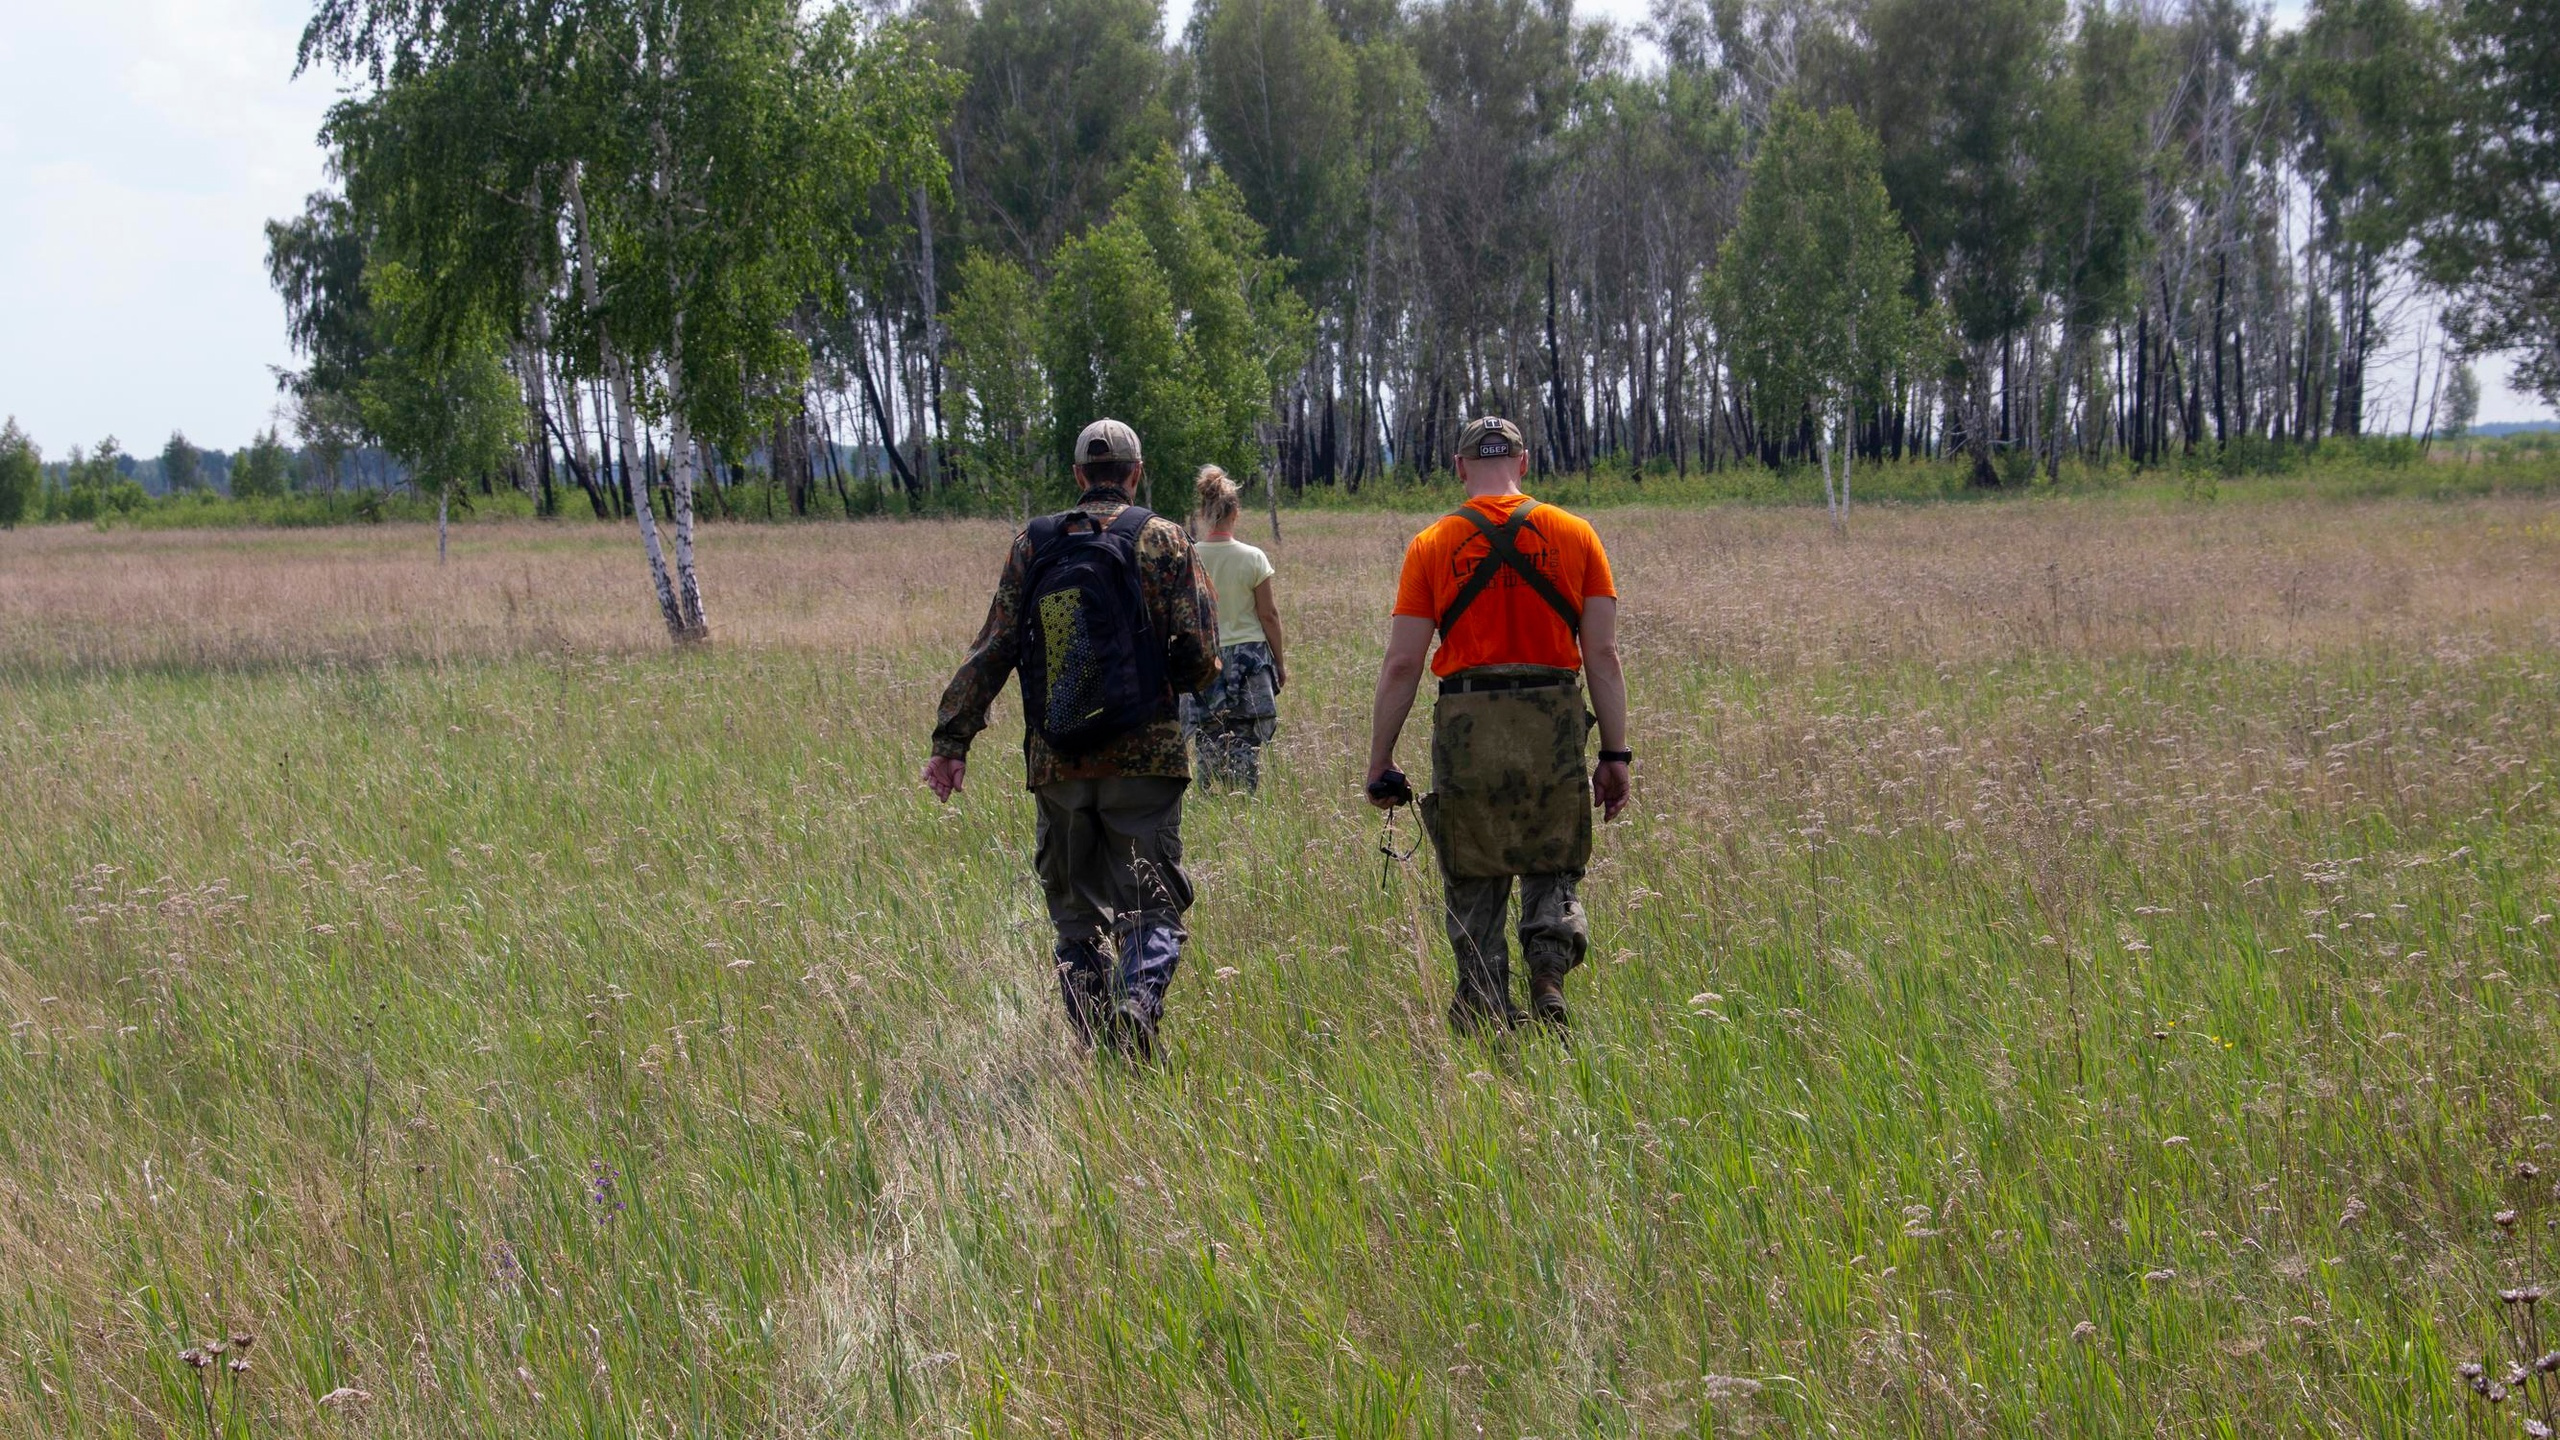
(1620, 757)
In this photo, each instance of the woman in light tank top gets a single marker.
(1234, 718)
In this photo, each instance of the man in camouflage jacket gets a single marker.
(1108, 839)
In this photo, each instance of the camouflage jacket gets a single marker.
(1180, 606)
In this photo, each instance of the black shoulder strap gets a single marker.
(1502, 552)
(1045, 531)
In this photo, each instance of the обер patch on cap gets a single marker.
(1490, 438)
(1106, 440)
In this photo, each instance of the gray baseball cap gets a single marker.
(1105, 440)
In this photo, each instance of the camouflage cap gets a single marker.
(1106, 440)
(1490, 437)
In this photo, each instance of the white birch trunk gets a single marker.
(1848, 458)
(2435, 407)
(2065, 425)
(444, 501)
(936, 446)
(636, 481)
(1822, 453)
(617, 368)
(681, 470)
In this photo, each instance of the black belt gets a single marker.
(1487, 684)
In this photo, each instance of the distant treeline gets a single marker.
(1310, 236)
(181, 467)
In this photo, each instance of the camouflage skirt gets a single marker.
(1510, 786)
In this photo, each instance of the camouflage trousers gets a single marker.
(1554, 936)
(1109, 855)
(1234, 718)
(1510, 800)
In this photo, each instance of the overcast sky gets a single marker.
(142, 145)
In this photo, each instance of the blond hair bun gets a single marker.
(1220, 502)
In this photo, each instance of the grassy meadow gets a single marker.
(2075, 966)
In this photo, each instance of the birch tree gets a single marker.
(1813, 288)
(1170, 316)
(693, 153)
(1003, 394)
(450, 411)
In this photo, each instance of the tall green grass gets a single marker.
(2076, 1043)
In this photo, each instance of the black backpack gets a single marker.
(1092, 665)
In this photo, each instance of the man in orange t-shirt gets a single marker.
(1521, 597)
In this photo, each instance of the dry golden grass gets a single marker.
(1741, 586)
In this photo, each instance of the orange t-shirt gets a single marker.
(1508, 624)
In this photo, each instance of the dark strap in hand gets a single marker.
(1503, 553)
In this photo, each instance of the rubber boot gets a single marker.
(1546, 1001)
(1084, 988)
(1483, 1002)
(1149, 954)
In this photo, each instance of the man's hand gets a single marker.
(1609, 788)
(1379, 772)
(942, 776)
(1399, 675)
(1279, 674)
(1608, 679)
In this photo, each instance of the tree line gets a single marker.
(631, 253)
(94, 482)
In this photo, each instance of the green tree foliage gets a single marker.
(95, 485)
(451, 412)
(760, 125)
(2362, 86)
(2461, 402)
(702, 159)
(1243, 325)
(181, 464)
(1621, 226)
(21, 474)
(1500, 78)
(263, 469)
(1956, 93)
(1277, 95)
(1112, 346)
(1061, 96)
(707, 227)
(1170, 316)
(316, 263)
(2088, 190)
(1813, 290)
(95, 469)
(999, 388)
(2492, 231)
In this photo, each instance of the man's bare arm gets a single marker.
(1399, 675)
(1608, 682)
